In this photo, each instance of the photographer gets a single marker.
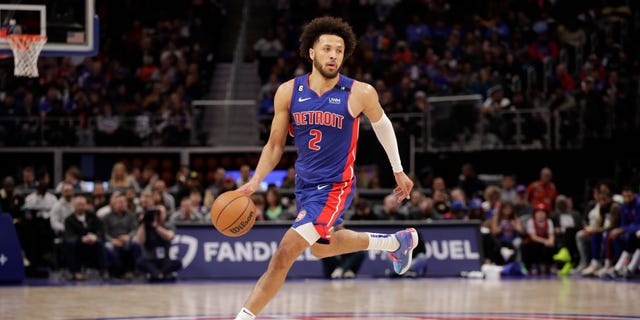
(154, 236)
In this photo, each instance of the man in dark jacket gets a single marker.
(83, 240)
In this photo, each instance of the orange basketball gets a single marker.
(233, 213)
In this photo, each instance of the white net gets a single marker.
(26, 49)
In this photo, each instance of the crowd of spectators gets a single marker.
(154, 59)
(528, 222)
(561, 72)
(137, 92)
(569, 70)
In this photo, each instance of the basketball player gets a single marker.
(321, 111)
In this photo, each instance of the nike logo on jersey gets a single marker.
(303, 99)
(322, 186)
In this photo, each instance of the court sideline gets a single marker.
(319, 299)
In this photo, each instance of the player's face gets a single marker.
(327, 55)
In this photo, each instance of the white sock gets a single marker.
(381, 241)
(622, 261)
(635, 259)
(245, 314)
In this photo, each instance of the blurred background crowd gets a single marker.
(548, 74)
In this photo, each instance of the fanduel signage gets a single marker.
(205, 253)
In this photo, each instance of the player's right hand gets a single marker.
(249, 188)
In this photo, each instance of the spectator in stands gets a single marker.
(542, 191)
(539, 246)
(476, 212)
(412, 207)
(572, 34)
(132, 200)
(181, 181)
(492, 201)
(167, 199)
(98, 196)
(506, 227)
(470, 183)
(41, 200)
(567, 222)
(228, 185)
(363, 211)
(498, 123)
(186, 213)
(176, 123)
(146, 202)
(268, 49)
(245, 175)
(562, 106)
(83, 240)
(120, 228)
(289, 181)
(441, 204)
(416, 31)
(274, 209)
(154, 235)
(218, 181)
(458, 211)
(259, 201)
(508, 188)
(34, 230)
(496, 101)
(427, 211)
(543, 47)
(439, 184)
(195, 197)
(57, 130)
(148, 177)
(105, 210)
(10, 201)
(562, 79)
(521, 205)
(72, 176)
(120, 179)
(266, 98)
(390, 210)
(29, 183)
(592, 108)
(108, 131)
(458, 194)
(62, 209)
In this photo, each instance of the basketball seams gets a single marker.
(240, 215)
(225, 206)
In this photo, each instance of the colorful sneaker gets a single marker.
(401, 258)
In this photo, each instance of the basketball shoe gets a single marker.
(401, 258)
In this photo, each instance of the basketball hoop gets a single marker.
(26, 49)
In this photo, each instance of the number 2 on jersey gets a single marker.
(317, 137)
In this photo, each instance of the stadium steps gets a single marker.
(241, 126)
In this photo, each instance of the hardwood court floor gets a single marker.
(319, 299)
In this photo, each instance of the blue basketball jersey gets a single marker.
(324, 132)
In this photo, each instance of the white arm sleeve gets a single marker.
(387, 137)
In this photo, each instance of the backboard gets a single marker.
(71, 26)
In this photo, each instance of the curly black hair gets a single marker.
(327, 25)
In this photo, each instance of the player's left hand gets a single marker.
(403, 190)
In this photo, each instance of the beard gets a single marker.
(324, 73)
